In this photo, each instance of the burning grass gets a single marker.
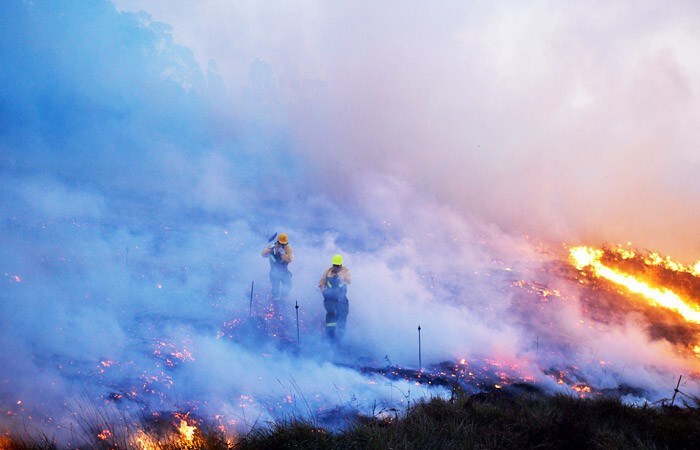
(661, 282)
(665, 292)
(494, 419)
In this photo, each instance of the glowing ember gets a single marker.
(582, 389)
(171, 354)
(104, 435)
(583, 257)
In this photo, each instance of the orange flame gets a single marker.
(589, 257)
(186, 431)
(144, 441)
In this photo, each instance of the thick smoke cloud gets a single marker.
(566, 122)
(146, 157)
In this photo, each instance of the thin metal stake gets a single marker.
(250, 308)
(676, 391)
(296, 306)
(420, 362)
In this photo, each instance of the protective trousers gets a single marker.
(281, 282)
(336, 316)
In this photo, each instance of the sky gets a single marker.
(148, 149)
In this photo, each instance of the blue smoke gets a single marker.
(135, 204)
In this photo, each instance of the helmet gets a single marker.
(337, 260)
(282, 239)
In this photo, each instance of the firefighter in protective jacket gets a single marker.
(334, 287)
(280, 255)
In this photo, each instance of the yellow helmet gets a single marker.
(282, 239)
(337, 260)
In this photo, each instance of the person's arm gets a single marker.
(346, 276)
(266, 251)
(288, 254)
(322, 283)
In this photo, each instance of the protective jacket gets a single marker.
(334, 287)
(333, 283)
(279, 255)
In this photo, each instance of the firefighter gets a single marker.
(334, 287)
(280, 254)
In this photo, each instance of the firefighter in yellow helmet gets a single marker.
(334, 287)
(280, 254)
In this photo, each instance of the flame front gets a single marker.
(583, 257)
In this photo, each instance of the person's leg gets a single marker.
(285, 284)
(275, 284)
(343, 310)
(331, 317)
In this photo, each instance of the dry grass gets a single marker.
(482, 421)
(488, 421)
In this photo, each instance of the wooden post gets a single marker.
(250, 308)
(296, 306)
(420, 362)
